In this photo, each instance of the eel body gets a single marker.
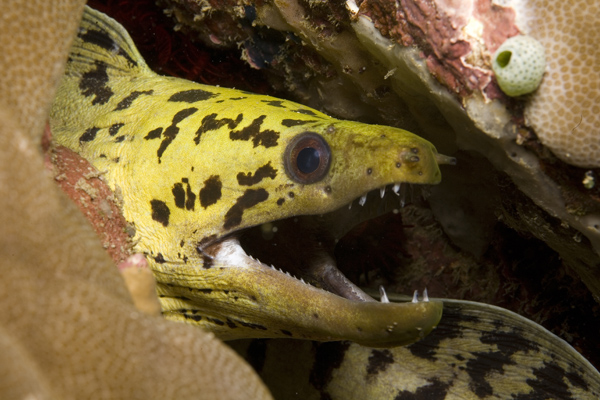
(197, 166)
(477, 351)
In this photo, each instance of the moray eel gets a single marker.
(197, 166)
(478, 351)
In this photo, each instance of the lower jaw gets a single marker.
(255, 300)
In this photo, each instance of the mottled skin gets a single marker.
(477, 351)
(195, 164)
(68, 327)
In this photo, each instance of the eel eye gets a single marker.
(307, 158)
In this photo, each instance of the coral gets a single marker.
(519, 65)
(565, 111)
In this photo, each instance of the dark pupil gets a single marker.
(308, 160)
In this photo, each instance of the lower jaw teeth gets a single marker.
(383, 295)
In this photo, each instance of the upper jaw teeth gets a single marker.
(394, 188)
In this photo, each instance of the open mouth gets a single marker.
(303, 247)
(281, 280)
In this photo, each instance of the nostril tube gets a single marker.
(442, 159)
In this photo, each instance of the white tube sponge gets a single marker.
(519, 65)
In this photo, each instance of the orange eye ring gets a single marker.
(307, 158)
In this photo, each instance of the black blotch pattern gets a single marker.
(190, 198)
(215, 321)
(191, 96)
(179, 194)
(127, 101)
(482, 366)
(274, 103)
(237, 98)
(249, 199)
(89, 135)
(211, 192)
(120, 139)
(328, 357)
(576, 380)
(160, 212)
(114, 129)
(305, 112)
(211, 123)
(280, 201)
(436, 390)
(102, 39)
(295, 122)
(266, 138)
(230, 323)
(549, 383)
(286, 332)
(159, 258)
(448, 328)
(95, 83)
(252, 326)
(196, 318)
(249, 179)
(99, 38)
(485, 363)
(171, 132)
(154, 134)
(184, 198)
(379, 360)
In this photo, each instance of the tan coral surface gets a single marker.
(68, 327)
(565, 111)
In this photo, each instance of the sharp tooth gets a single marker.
(382, 192)
(273, 268)
(425, 296)
(383, 295)
(415, 298)
(350, 206)
(302, 280)
(396, 189)
(363, 200)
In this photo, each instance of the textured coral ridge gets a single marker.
(565, 111)
(69, 329)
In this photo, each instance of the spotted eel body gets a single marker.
(197, 165)
(478, 351)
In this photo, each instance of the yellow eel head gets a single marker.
(197, 167)
(317, 167)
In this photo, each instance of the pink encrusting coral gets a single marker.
(456, 37)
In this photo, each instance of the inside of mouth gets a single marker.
(305, 247)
